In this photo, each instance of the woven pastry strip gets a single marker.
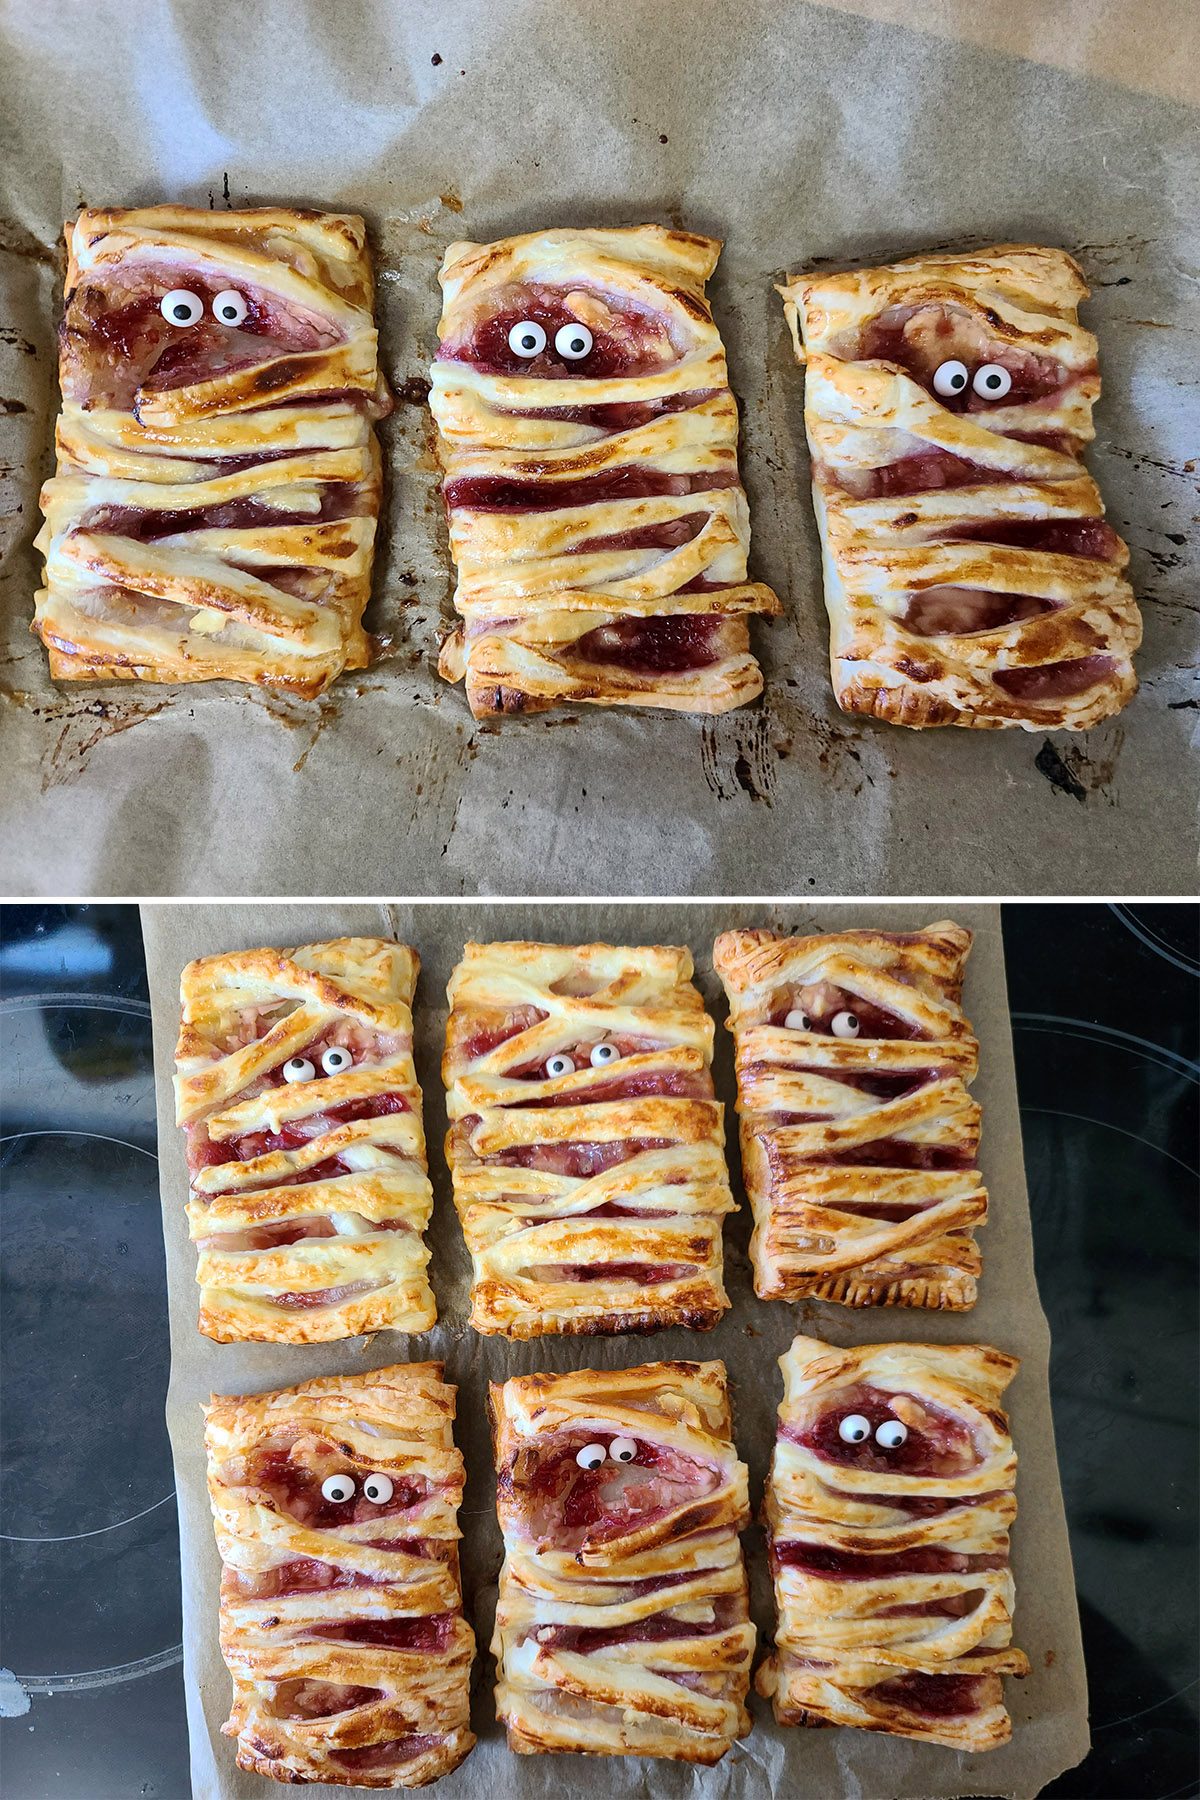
(341, 1616)
(623, 1622)
(858, 1135)
(214, 506)
(970, 576)
(888, 1509)
(586, 1147)
(596, 515)
(296, 1086)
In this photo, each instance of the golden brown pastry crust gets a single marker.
(533, 585)
(354, 994)
(814, 1232)
(223, 526)
(532, 1155)
(843, 1654)
(268, 1455)
(887, 540)
(675, 1562)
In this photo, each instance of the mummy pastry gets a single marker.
(589, 444)
(336, 1512)
(858, 1135)
(296, 1086)
(888, 1509)
(585, 1143)
(970, 576)
(622, 1626)
(213, 510)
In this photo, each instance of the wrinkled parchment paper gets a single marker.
(802, 135)
(1049, 1710)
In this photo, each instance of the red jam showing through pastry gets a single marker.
(1054, 681)
(644, 1273)
(674, 644)
(681, 1084)
(377, 1759)
(598, 1503)
(429, 1634)
(584, 1640)
(939, 1445)
(501, 493)
(920, 339)
(577, 1161)
(318, 1699)
(295, 1489)
(930, 1696)
(822, 1003)
(627, 339)
(848, 1565)
(950, 611)
(621, 415)
(339, 500)
(1060, 537)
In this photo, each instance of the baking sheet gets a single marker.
(1049, 1709)
(802, 135)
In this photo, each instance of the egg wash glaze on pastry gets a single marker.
(585, 1143)
(588, 440)
(970, 575)
(309, 1193)
(622, 1626)
(214, 504)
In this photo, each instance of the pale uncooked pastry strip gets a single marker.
(295, 1083)
(888, 1508)
(623, 1625)
(970, 577)
(591, 484)
(351, 1664)
(858, 1135)
(217, 489)
(585, 1143)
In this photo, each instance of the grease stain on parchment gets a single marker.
(1087, 766)
(83, 724)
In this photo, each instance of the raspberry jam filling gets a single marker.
(822, 1002)
(578, 1160)
(622, 415)
(295, 1489)
(931, 1696)
(1054, 681)
(318, 1699)
(919, 473)
(950, 611)
(920, 339)
(602, 1502)
(646, 1274)
(896, 1153)
(339, 500)
(305, 1301)
(293, 1133)
(918, 1506)
(939, 1445)
(660, 1628)
(848, 1565)
(485, 1036)
(677, 1083)
(430, 1635)
(1060, 537)
(627, 340)
(500, 493)
(276, 1234)
(950, 1606)
(664, 534)
(376, 1759)
(672, 645)
(303, 1575)
(880, 1087)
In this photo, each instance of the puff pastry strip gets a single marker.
(623, 1619)
(591, 1199)
(341, 1619)
(217, 488)
(596, 515)
(858, 1151)
(890, 1561)
(970, 577)
(309, 1196)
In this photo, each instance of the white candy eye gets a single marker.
(622, 1449)
(854, 1429)
(335, 1059)
(798, 1021)
(230, 307)
(573, 341)
(951, 378)
(591, 1456)
(298, 1068)
(338, 1488)
(891, 1434)
(377, 1488)
(181, 307)
(603, 1053)
(992, 382)
(527, 338)
(559, 1065)
(845, 1025)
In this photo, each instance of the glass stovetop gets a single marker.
(1105, 1017)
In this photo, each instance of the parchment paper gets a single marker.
(802, 135)
(1049, 1709)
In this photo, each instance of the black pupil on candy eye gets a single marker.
(958, 381)
(528, 342)
(183, 311)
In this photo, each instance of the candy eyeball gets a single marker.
(622, 1450)
(298, 1068)
(377, 1489)
(845, 1025)
(335, 1059)
(527, 338)
(992, 382)
(559, 1065)
(573, 341)
(891, 1434)
(798, 1020)
(854, 1429)
(181, 307)
(591, 1456)
(603, 1053)
(338, 1488)
(950, 378)
(230, 307)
